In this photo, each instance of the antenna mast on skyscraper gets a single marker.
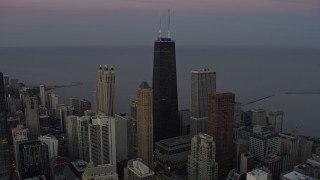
(160, 33)
(169, 18)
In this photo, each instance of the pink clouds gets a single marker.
(159, 6)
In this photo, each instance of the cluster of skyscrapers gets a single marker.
(43, 139)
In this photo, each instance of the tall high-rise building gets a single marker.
(34, 159)
(53, 101)
(124, 139)
(52, 143)
(134, 105)
(102, 140)
(201, 162)
(289, 151)
(263, 143)
(105, 92)
(6, 80)
(83, 138)
(220, 127)
(84, 106)
(276, 120)
(4, 134)
(42, 95)
(259, 117)
(32, 116)
(164, 85)
(246, 162)
(72, 137)
(75, 104)
(184, 116)
(145, 124)
(203, 83)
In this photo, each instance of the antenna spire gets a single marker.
(160, 32)
(169, 18)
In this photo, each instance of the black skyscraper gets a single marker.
(4, 146)
(164, 84)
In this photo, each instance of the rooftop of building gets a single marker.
(140, 169)
(175, 142)
(258, 110)
(258, 172)
(79, 165)
(144, 85)
(262, 132)
(48, 136)
(164, 39)
(297, 176)
(100, 171)
(202, 71)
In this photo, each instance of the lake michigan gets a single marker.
(249, 72)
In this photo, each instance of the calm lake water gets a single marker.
(249, 72)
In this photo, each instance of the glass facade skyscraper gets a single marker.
(164, 84)
(4, 146)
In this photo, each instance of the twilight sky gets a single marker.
(136, 22)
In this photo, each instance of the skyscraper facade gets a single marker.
(83, 138)
(259, 117)
(133, 116)
(145, 124)
(276, 120)
(105, 92)
(203, 83)
(72, 137)
(220, 127)
(75, 104)
(124, 139)
(32, 116)
(164, 85)
(4, 135)
(201, 161)
(84, 106)
(42, 95)
(102, 140)
(34, 159)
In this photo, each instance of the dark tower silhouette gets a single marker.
(220, 127)
(164, 84)
(4, 146)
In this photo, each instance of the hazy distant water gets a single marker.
(249, 72)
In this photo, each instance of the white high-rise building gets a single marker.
(105, 92)
(276, 120)
(203, 83)
(42, 96)
(201, 161)
(53, 100)
(52, 143)
(102, 140)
